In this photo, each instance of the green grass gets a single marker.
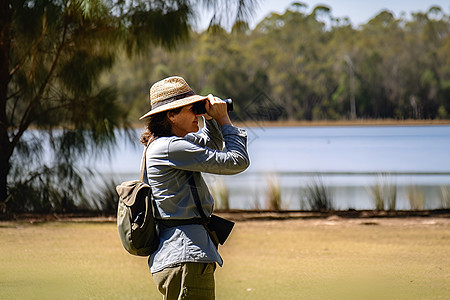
(294, 259)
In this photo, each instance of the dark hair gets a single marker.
(157, 126)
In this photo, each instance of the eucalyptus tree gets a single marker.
(298, 59)
(52, 53)
(400, 65)
(429, 40)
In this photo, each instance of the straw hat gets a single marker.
(170, 93)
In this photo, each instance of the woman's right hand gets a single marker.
(217, 109)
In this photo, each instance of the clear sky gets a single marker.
(358, 11)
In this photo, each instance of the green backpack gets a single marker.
(135, 218)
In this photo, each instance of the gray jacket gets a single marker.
(167, 160)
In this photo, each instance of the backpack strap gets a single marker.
(194, 192)
(143, 163)
(179, 222)
(206, 222)
(143, 172)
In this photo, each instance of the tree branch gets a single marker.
(29, 116)
(33, 46)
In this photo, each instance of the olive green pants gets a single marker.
(187, 281)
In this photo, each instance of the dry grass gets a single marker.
(292, 259)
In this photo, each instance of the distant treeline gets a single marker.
(309, 66)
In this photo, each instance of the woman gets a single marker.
(183, 265)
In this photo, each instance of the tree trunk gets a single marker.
(5, 144)
(4, 170)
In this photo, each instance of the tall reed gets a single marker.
(416, 197)
(318, 195)
(220, 194)
(384, 192)
(255, 204)
(273, 193)
(445, 197)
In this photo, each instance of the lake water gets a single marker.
(347, 160)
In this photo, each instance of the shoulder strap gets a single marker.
(144, 159)
(196, 197)
(143, 163)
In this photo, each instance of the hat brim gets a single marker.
(174, 104)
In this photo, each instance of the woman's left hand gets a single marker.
(217, 109)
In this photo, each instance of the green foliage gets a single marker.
(70, 68)
(52, 58)
(46, 189)
(315, 66)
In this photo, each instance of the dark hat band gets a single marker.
(171, 99)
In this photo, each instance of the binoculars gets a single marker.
(199, 107)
